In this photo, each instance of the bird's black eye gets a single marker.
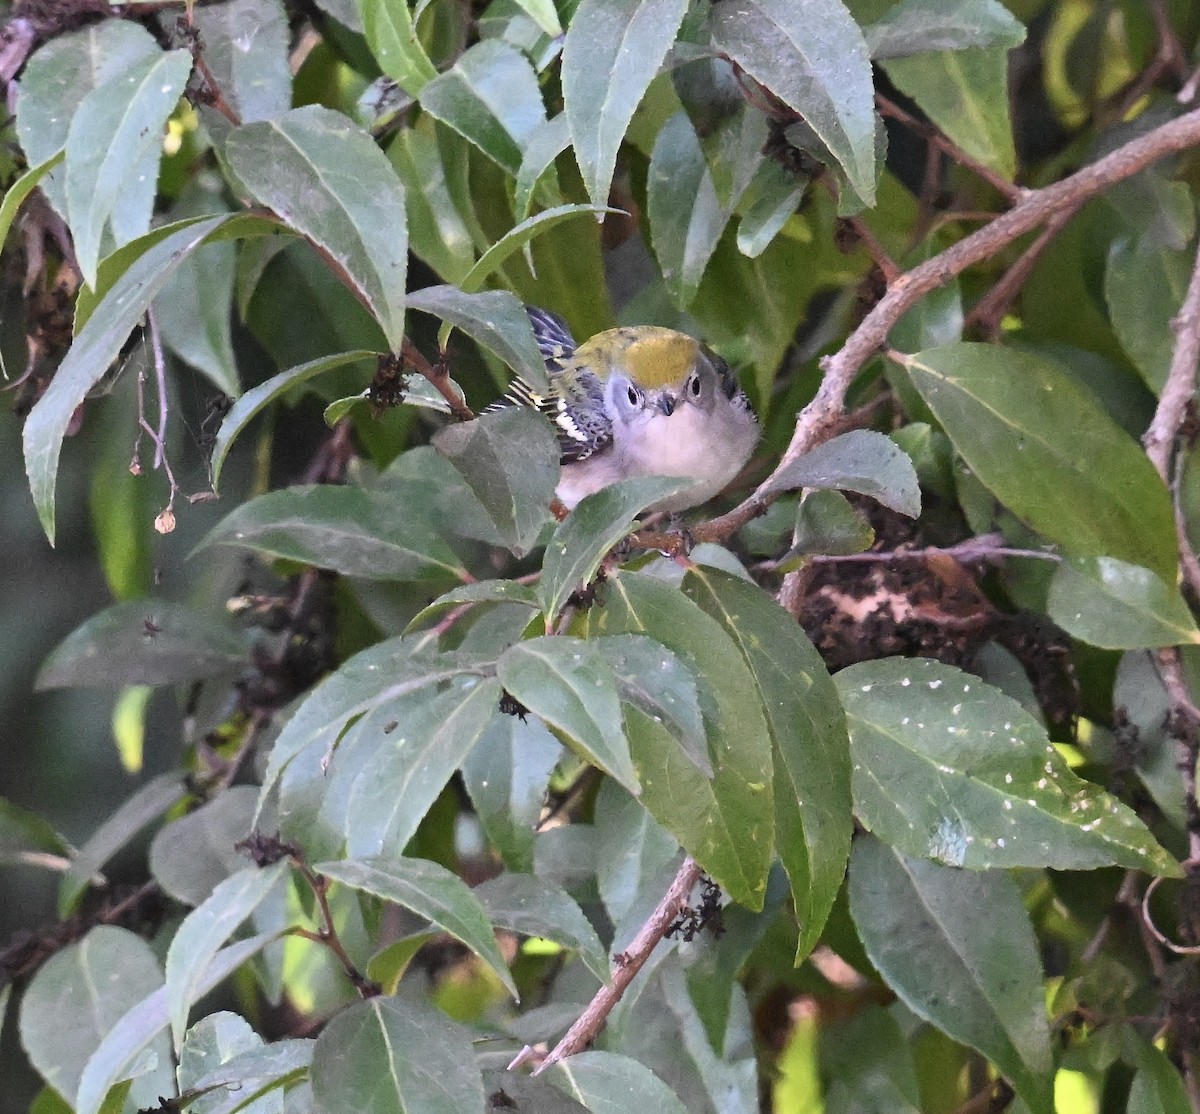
(634, 395)
(694, 386)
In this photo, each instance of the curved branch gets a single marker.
(821, 416)
(626, 966)
(1180, 387)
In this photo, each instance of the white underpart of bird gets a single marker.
(667, 436)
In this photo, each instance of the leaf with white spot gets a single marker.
(948, 768)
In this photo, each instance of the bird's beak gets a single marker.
(667, 404)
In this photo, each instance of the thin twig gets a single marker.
(212, 94)
(1169, 58)
(1185, 725)
(1188, 561)
(165, 522)
(989, 311)
(439, 377)
(824, 412)
(982, 548)
(878, 253)
(626, 966)
(1127, 899)
(936, 138)
(1155, 931)
(160, 383)
(1160, 438)
(1180, 387)
(327, 933)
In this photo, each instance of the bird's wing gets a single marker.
(577, 411)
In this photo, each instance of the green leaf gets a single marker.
(140, 1025)
(534, 907)
(965, 93)
(509, 1090)
(481, 591)
(1034, 438)
(516, 238)
(410, 765)
(26, 837)
(211, 1041)
(204, 930)
(809, 741)
(947, 767)
(144, 642)
(328, 180)
(387, 671)
(510, 460)
(543, 13)
(192, 311)
(608, 1083)
(861, 461)
(550, 140)
(191, 855)
(592, 528)
(148, 803)
(490, 96)
(920, 26)
(246, 50)
(772, 197)
(1118, 606)
(77, 996)
(255, 399)
(506, 776)
(827, 523)
(568, 684)
(95, 348)
(635, 859)
(236, 226)
(115, 127)
(686, 216)
(1157, 1088)
(656, 681)
(1144, 285)
(258, 1068)
(725, 822)
(958, 949)
(351, 530)
(56, 80)
(814, 59)
(430, 891)
(438, 232)
(612, 52)
(393, 40)
(495, 319)
(869, 1065)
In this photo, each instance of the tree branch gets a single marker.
(823, 414)
(1180, 387)
(626, 966)
(989, 311)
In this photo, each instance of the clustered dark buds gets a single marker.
(588, 594)
(387, 388)
(511, 706)
(707, 915)
(265, 850)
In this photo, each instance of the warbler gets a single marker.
(639, 401)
